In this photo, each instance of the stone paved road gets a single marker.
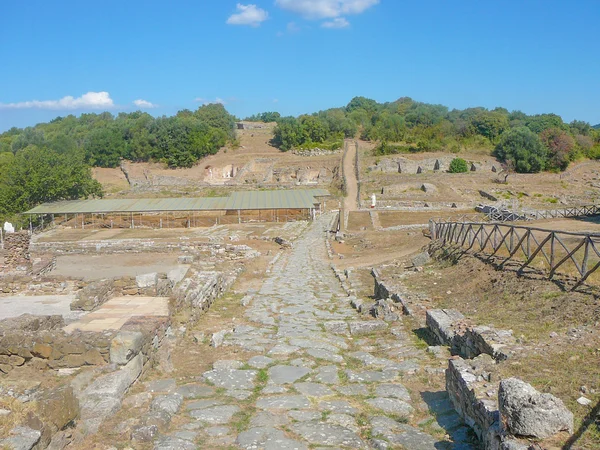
(324, 380)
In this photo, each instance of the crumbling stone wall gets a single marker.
(41, 342)
(16, 251)
(93, 295)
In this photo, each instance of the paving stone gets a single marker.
(186, 435)
(337, 406)
(267, 438)
(305, 415)
(287, 374)
(392, 391)
(325, 355)
(327, 434)
(313, 389)
(327, 375)
(173, 443)
(215, 415)
(283, 350)
(231, 378)
(336, 326)
(170, 403)
(370, 376)
(415, 440)
(283, 402)
(391, 405)
(344, 420)
(301, 362)
(367, 327)
(268, 419)
(227, 364)
(217, 431)
(260, 362)
(189, 391)
(274, 389)
(353, 390)
(166, 385)
(238, 394)
(201, 404)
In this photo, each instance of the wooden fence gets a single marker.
(554, 252)
(571, 211)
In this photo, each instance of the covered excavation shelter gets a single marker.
(185, 212)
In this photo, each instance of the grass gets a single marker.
(19, 412)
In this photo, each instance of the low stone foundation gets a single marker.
(452, 329)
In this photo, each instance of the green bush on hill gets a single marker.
(458, 165)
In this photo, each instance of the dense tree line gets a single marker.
(178, 141)
(52, 161)
(527, 143)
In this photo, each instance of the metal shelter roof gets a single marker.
(280, 199)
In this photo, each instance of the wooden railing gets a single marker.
(552, 251)
(571, 211)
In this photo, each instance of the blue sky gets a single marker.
(296, 56)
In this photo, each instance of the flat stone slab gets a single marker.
(283, 350)
(174, 443)
(215, 415)
(318, 433)
(227, 364)
(217, 431)
(367, 327)
(260, 362)
(325, 355)
(167, 385)
(336, 327)
(313, 389)
(189, 391)
(268, 419)
(202, 404)
(231, 378)
(305, 415)
(393, 391)
(287, 374)
(391, 405)
(353, 390)
(283, 402)
(327, 375)
(338, 406)
(370, 376)
(170, 403)
(267, 438)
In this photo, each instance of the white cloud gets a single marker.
(248, 15)
(91, 100)
(292, 27)
(206, 101)
(326, 9)
(144, 104)
(338, 22)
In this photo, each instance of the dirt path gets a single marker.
(351, 181)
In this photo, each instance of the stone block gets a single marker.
(527, 412)
(147, 280)
(93, 358)
(41, 350)
(421, 259)
(59, 407)
(442, 324)
(367, 327)
(125, 346)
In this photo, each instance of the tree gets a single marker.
(363, 103)
(104, 147)
(560, 147)
(490, 124)
(522, 148)
(541, 122)
(288, 134)
(458, 165)
(37, 175)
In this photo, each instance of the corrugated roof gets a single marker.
(280, 199)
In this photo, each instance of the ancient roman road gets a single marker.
(326, 377)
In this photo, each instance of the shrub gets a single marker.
(458, 165)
